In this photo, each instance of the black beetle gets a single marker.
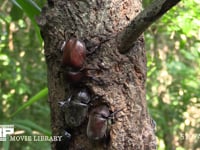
(76, 108)
(65, 139)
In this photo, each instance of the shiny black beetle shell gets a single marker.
(76, 108)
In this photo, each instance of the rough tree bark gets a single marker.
(101, 25)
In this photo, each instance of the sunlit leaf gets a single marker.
(32, 10)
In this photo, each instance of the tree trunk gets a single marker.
(120, 79)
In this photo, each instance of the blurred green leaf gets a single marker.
(32, 125)
(16, 13)
(6, 144)
(43, 93)
(32, 10)
(29, 7)
(22, 126)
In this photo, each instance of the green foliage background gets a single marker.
(173, 83)
(23, 73)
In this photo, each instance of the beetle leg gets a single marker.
(67, 135)
(65, 102)
(88, 68)
(112, 115)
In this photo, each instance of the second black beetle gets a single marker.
(76, 108)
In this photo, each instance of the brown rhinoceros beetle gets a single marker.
(100, 119)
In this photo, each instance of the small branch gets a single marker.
(142, 21)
